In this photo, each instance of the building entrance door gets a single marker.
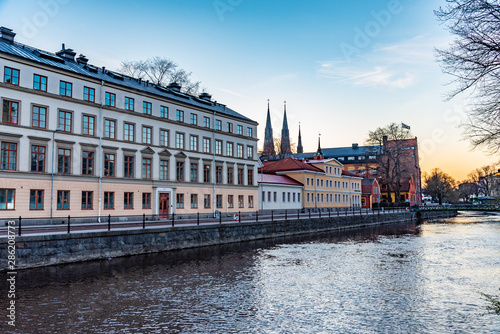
(164, 205)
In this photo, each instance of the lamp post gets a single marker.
(52, 175)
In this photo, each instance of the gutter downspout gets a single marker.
(101, 128)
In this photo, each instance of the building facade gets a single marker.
(279, 192)
(85, 141)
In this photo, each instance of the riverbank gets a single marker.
(52, 249)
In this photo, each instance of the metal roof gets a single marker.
(342, 152)
(53, 60)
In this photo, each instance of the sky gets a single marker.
(344, 68)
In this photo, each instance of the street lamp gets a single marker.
(52, 177)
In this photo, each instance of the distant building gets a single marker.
(370, 193)
(279, 192)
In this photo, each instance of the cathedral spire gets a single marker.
(319, 153)
(268, 138)
(300, 149)
(285, 136)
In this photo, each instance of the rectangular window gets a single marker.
(218, 125)
(147, 133)
(206, 173)
(38, 117)
(88, 125)
(249, 152)
(180, 171)
(249, 132)
(218, 147)
(37, 159)
(63, 161)
(11, 76)
(206, 122)
(109, 129)
(128, 200)
(65, 121)
(110, 99)
(179, 115)
(283, 199)
(230, 175)
(239, 130)
(275, 196)
(218, 174)
(240, 176)
(146, 200)
(147, 108)
(63, 200)
(36, 199)
(230, 202)
(164, 112)
(10, 112)
(109, 200)
(250, 177)
(239, 151)
(206, 201)
(180, 201)
(146, 168)
(250, 201)
(179, 140)
(89, 94)
(194, 201)
(128, 166)
(241, 203)
(87, 200)
(193, 118)
(129, 132)
(65, 88)
(109, 165)
(129, 103)
(193, 143)
(229, 127)
(206, 145)
(7, 199)
(87, 163)
(39, 82)
(164, 170)
(194, 172)
(218, 201)
(229, 149)
(164, 134)
(263, 196)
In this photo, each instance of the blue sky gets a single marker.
(344, 67)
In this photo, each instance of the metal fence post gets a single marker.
(286, 215)
(272, 215)
(143, 220)
(198, 219)
(20, 219)
(319, 213)
(309, 213)
(220, 218)
(298, 214)
(69, 222)
(173, 219)
(257, 216)
(109, 224)
(239, 216)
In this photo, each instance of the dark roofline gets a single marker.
(102, 75)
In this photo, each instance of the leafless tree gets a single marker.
(391, 148)
(277, 148)
(485, 179)
(439, 185)
(473, 59)
(160, 71)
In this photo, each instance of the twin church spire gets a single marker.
(284, 146)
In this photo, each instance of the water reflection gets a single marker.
(393, 279)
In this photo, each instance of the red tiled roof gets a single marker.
(278, 179)
(288, 164)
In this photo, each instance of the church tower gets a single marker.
(285, 137)
(300, 149)
(268, 137)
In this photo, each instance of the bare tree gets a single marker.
(473, 59)
(439, 185)
(391, 148)
(160, 71)
(485, 179)
(277, 148)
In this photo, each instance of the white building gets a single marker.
(279, 192)
(122, 146)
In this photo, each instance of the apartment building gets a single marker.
(82, 140)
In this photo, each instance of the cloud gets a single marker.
(377, 76)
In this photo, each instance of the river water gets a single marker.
(400, 278)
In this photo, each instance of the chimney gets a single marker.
(7, 34)
(68, 54)
(82, 59)
(174, 86)
(205, 96)
(354, 145)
